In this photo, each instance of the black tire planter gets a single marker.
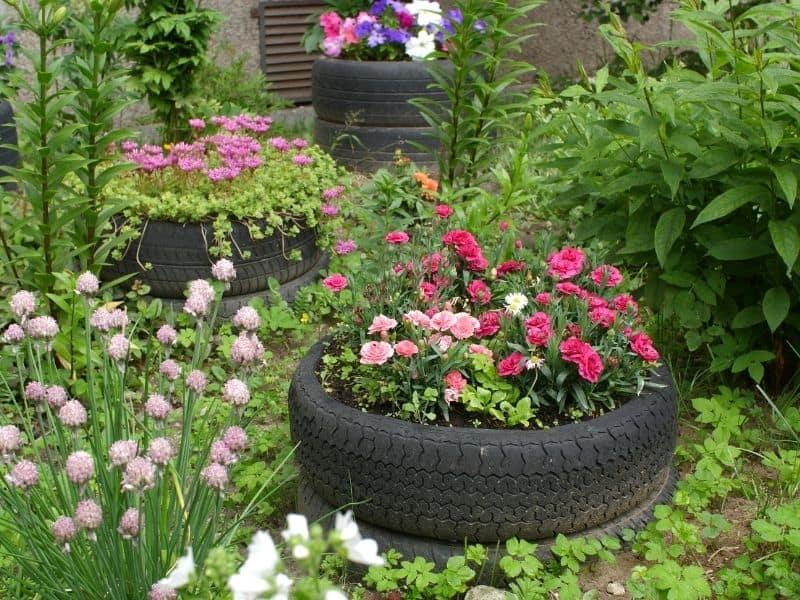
(449, 485)
(368, 101)
(178, 253)
(8, 135)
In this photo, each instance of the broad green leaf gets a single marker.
(704, 292)
(786, 240)
(639, 233)
(775, 305)
(739, 249)
(754, 357)
(601, 79)
(747, 317)
(648, 135)
(673, 173)
(729, 201)
(678, 278)
(774, 133)
(787, 181)
(668, 230)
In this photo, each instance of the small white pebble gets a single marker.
(615, 589)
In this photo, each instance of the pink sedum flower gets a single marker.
(376, 353)
(329, 210)
(344, 247)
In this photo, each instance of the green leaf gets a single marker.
(786, 241)
(787, 181)
(668, 230)
(648, 135)
(729, 201)
(774, 133)
(739, 249)
(673, 173)
(681, 279)
(776, 305)
(754, 357)
(747, 317)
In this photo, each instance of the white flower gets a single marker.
(282, 586)
(420, 47)
(262, 559)
(334, 595)
(246, 586)
(184, 567)
(300, 551)
(515, 303)
(364, 552)
(296, 526)
(345, 525)
(427, 13)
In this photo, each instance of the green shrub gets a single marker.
(695, 176)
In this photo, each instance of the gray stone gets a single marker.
(615, 589)
(485, 592)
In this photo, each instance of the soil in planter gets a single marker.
(342, 390)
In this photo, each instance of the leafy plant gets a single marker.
(625, 9)
(695, 176)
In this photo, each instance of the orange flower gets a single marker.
(431, 184)
(421, 177)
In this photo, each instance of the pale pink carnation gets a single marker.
(35, 391)
(129, 524)
(24, 475)
(166, 335)
(13, 334)
(215, 476)
(196, 381)
(140, 475)
(382, 324)
(157, 407)
(79, 467)
(443, 342)
(443, 320)
(170, 369)
(376, 353)
(118, 347)
(235, 438)
(56, 396)
(418, 318)
(464, 326)
(122, 452)
(10, 440)
(72, 414)
(87, 284)
(64, 531)
(160, 451)
(223, 270)
(236, 392)
(23, 303)
(247, 318)
(479, 349)
(406, 348)
(220, 453)
(88, 515)
(42, 328)
(455, 381)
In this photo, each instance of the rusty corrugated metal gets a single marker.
(281, 25)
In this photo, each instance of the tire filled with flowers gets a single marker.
(477, 398)
(375, 61)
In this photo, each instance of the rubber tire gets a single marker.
(373, 93)
(8, 135)
(367, 149)
(179, 253)
(452, 483)
(316, 509)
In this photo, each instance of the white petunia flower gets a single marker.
(426, 12)
(184, 567)
(420, 47)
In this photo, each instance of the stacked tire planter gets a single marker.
(363, 115)
(426, 490)
(8, 135)
(177, 253)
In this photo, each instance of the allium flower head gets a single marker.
(236, 392)
(122, 452)
(87, 284)
(235, 438)
(246, 350)
(196, 381)
(162, 592)
(79, 467)
(140, 475)
(118, 347)
(64, 531)
(216, 476)
(160, 451)
(35, 391)
(101, 319)
(24, 475)
(56, 396)
(196, 305)
(13, 334)
(129, 524)
(42, 328)
(10, 440)
(166, 335)
(247, 318)
(23, 303)
(72, 414)
(200, 287)
(157, 407)
(118, 318)
(88, 515)
(220, 453)
(223, 270)
(170, 369)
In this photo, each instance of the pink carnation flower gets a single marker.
(397, 237)
(465, 326)
(565, 263)
(406, 348)
(642, 345)
(443, 320)
(417, 318)
(376, 353)
(335, 282)
(382, 324)
(607, 275)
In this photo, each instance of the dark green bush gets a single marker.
(695, 176)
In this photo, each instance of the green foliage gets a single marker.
(481, 114)
(167, 46)
(695, 176)
(626, 9)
